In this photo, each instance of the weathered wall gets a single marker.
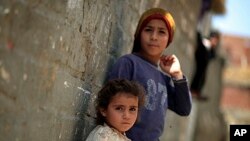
(209, 119)
(54, 56)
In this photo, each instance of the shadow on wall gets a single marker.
(85, 121)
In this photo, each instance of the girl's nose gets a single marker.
(126, 114)
(154, 35)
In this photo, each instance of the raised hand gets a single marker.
(171, 65)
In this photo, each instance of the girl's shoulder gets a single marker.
(104, 132)
(130, 58)
(127, 59)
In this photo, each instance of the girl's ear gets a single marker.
(103, 112)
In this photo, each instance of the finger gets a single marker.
(166, 57)
(169, 59)
(163, 57)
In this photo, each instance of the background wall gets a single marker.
(54, 57)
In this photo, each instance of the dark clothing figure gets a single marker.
(205, 51)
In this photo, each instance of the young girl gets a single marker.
(118, 103)
(161, 75)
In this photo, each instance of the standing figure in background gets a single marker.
(205, 51)
(117, 107)
(161, 75)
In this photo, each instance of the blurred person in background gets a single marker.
(205, 51)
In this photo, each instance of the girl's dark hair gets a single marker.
(136, 45)
(111, 88)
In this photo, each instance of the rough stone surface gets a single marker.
(54, 57)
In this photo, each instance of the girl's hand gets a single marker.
(171, 65)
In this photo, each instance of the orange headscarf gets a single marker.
(154, 13)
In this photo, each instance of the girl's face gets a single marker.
(122, 111)
(154, 38)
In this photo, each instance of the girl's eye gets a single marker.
(133, 109)
(147, 29)
(119, 108)
(162, 32)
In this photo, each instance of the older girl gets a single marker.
(161, 75)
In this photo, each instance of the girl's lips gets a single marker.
(125, 123)
(152, 45)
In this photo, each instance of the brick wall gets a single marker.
(237, 50)
(54, 56)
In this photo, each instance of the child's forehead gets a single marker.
(124, 99)
(124, 95)
(157, 22)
